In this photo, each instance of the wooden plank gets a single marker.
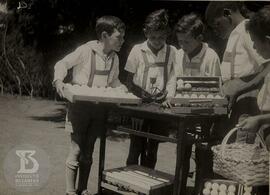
(122, 180)
(116, 189)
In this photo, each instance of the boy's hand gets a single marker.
(232, 99)
(167, 103)
(59, 85)
(250, 124)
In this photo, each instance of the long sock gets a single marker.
(84, 172)
(71, 175)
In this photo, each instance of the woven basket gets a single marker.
(247, 164)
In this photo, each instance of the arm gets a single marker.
(253, 123)
(256, 81)
(62, 66)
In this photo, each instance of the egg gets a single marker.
(215, 186)
(186, 96)
(247, 189)
(206, 191)
(193, 95)
(247, 193)
(231, 188)
(231, 193)
(180, 81)
(217, 96)
(188, 86)
(179, 95)
(214, 192)
(202, 96)
(210, 96)
(208, 185)
(222, 187)
(222, 193)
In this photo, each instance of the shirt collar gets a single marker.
(197, 58)
(145, 48)
(97, 46)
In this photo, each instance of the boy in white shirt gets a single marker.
(240, 61)
(196, 59)
(151, 70)
(94, 64)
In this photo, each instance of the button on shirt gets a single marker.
(136, 65)
(80, 61)
(205, 63)
(263, 99)
(240, 58)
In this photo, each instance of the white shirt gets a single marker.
(240, 57)
(80, 61)
(205, 63)
(136, 65)
(263, 99)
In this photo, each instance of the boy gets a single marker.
(196, 59)
(150, 66)
(258, 27)
(240, 60)
(94, 64)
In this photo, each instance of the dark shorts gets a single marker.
(82, 115)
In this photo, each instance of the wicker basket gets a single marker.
(247, 164)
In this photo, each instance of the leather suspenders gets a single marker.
(94, 71)
(159, 64)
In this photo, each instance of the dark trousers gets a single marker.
(146, 149)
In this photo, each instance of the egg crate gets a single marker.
(76, 93)
(199, 95)
(225, 187)
(136, 179)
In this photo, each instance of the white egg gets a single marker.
(194, 95)
(222, 187)
(247, 193)
(217, 96)
(180, 81)
(231, 193)
(179, 95)
(247, 189)
(214, 192)
(206, 191)
(210, 96)
(208, 185)
(186, 96)
(231, 188)
(222, 193)
(188, 86)
(215, 186)
(202, 96)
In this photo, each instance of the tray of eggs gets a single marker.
(225, 187)
(201, 90)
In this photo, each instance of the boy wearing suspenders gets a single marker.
(94, 64)
(196, 58)
(151, 70)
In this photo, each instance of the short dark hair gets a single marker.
(259, 24)
(108, 24)
(156, 21)
(216, 9)
(190, 23)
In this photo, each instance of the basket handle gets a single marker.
(229, 134)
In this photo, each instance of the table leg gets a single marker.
(179, 158)
(102, 149)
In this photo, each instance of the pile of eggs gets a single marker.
(222, 189)
(200, 96)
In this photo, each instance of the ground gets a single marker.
(41, 123)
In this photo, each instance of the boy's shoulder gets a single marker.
(241, 29)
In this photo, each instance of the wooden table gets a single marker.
(154, 111)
